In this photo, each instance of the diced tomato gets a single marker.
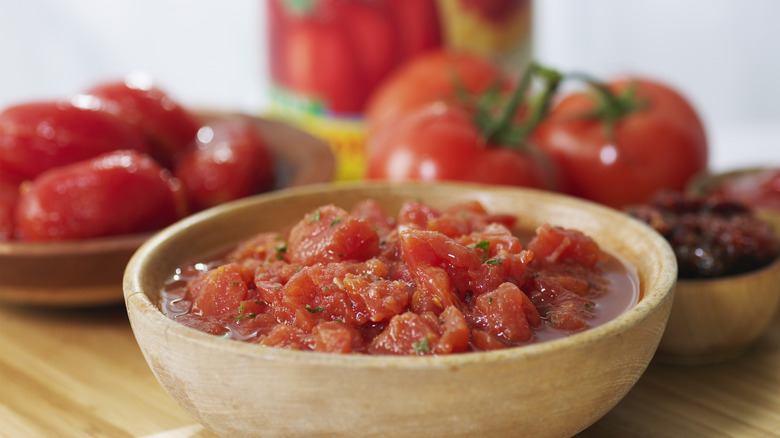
(413, 291)
(336, 337)
(416, 214)
(370, 211)
(558, 245)
(381, 299)
(264, 246)
(330, 234)
(455, 333)
(285, 336)
(219, 291)
(408, 333)
(506, 313)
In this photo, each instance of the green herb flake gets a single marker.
(587, 306)
(312, 310)
(490, 300)
(484, 245)
(241, 308)
(247, 316)
(421, 346)
(315, 217)
(260, 303)
(335, 221)
(495, 261)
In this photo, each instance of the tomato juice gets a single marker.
(425, 281)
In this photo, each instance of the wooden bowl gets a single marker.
(554, 388)
(714, 320)
(89, 272)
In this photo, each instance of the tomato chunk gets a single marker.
(219, 291)
(330, 234)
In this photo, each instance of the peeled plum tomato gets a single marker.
(229, 160)
(427, 282)
(167, 125)
(38, 136)
(116, 193)
(9, 194)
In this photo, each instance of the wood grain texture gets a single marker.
(74, 374)
(715, 319)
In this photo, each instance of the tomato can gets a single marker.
(326, 57)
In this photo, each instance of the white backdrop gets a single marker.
(723, 54)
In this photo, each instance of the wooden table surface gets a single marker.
(79, 373)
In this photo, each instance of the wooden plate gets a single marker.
(89, 272)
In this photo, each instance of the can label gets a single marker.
(326, 57)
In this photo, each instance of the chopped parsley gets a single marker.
(335, 221)
(313, 310)
(247, 316)
(484, 245)
(495, 261)
(421, 346)
(315, 217)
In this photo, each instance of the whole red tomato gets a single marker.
(624, 149)
(441, 142)
(434, 76)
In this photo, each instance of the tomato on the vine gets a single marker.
(459, 142)
(436, 76)
(622, 144)
(441, 142)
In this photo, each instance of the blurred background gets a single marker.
(724, 55)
